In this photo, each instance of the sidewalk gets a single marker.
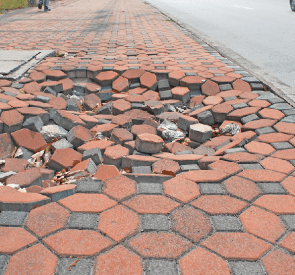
(134, 202)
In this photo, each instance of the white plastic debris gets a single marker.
(231, 128)
(14, 185)
(170, 132)
(22, 190)
(2, 161)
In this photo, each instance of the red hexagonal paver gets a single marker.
(105, 172)
(72, 242)
(28, 139)
(181, 189)
(278, 165)
(256, 124)
(262, 148)
(64, 159)
(242, 188)
(149, 80)
(279, 262)
(242, 85)
(191, 223)
(46, 219)
(285, 127)
(106, 78)
(33, 260)
(14, 238)
(119, 187)
(237, 246)
(219, 204)
(119, 261)
(271, 113)
(289, 185)
(225, 166)
(205, 176)
(262, 175)
(165, 165)
(288, 154)
(210, 88)
(278, 204)
(87, 203)
(151, 204)
(262, 223)
(239, 113)
(274, 137)
(242, 157)
(119, 223)
(159, 245)
(201, 262)
(121, 84)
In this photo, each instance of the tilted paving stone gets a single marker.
(140, 222)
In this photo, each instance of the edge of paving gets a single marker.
(272, 83)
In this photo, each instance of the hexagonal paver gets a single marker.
(262, 175)
(201, 262)
(46, 219)
(285, 127)
(119, 223)
(278, 165)
(234, 246)
(119, 187)
(14, 238)
(119, 261)
(191, 223)
(33, 260)
(87, 203)
(262, 148)
(106, 78)
(271, 113)
(288, 154)
(13, 200)
(242, 157)
(225, 166)
(105, 172)
(274, 137)
(28, 139)
(262, 223)
(219, 204)
(121, 84)
(205, 176)
(278, 204)
(72, 242)
(159, 245)
(151, 204)
(181, 189)
(278, 262)
(242, 188)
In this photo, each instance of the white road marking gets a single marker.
(243, 7)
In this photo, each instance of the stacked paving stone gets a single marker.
(112, 125)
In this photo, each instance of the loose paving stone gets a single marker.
(64, 159)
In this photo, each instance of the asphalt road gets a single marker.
(258, 34)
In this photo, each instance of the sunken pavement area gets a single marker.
(115, 162)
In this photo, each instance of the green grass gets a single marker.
(7, 5)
